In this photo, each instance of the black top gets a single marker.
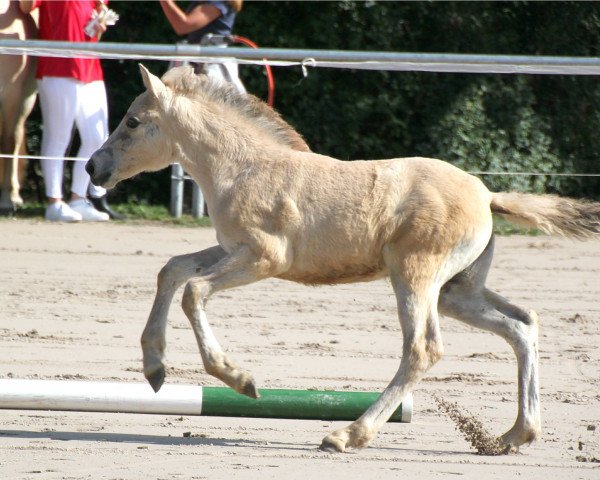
(223, 25)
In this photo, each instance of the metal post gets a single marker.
(197, 201)
(176, 190)
(177, 194)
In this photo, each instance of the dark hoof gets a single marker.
(250, 389)
(156, 379)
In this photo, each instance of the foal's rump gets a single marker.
(461, 200)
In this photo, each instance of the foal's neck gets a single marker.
(216, 148)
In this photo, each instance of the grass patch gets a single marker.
(504, 227)
(158, 213)
(136, 214)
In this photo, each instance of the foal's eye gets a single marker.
(132, 122)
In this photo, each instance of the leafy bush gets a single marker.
(492, 127)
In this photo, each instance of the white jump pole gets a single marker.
(115, 397)
(16, 394)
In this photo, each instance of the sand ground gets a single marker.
(74, 300)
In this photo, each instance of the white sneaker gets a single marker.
(88, 213)
(61, 212)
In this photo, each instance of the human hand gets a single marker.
(100, 21)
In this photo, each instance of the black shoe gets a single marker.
(101, 204)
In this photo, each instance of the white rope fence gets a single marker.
(39, 157)
(530, 174)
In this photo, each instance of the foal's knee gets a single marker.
(168, 276)
(193, 296)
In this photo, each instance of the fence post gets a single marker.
(176, 190)
(197, 201)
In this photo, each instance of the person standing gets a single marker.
(207, 23)
(71, 92)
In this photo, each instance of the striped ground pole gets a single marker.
(122, 397)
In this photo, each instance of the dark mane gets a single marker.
(183, 80)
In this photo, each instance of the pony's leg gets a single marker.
(29, 96)
(466, 298)
(422, 348)
(174, 274)
(7, 146)
(14, 112)
(15, 185)
(6, 204)
(239, 268)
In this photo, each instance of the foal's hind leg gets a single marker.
(466, 298)
(174, 274)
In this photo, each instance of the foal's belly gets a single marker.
(330, 273)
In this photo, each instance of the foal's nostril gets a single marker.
(89, 167)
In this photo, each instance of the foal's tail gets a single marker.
(549, 213)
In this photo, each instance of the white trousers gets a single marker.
(225, 72)
(66, 102)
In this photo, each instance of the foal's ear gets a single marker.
(153, 84)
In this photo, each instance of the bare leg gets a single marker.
(237, 269)
(466, 298)
(422, 348)
(174, 274)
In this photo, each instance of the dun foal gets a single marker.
(282, 211)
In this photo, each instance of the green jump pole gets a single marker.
(123, 397)
(298, 404)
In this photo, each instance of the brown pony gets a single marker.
(282, 211)
(17, 97)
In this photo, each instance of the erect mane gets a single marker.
(184, 81)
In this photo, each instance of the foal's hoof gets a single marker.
(515, 437)
(332, 444)
(249, 389)
(156, 379)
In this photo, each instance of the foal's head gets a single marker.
(145, 139)
(139, 142)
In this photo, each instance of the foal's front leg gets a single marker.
(422, 348)
(174, 274)
(239, 268)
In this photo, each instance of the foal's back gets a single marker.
(350, 212)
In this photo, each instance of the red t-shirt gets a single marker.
(65, 20)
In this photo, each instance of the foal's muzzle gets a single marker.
(100, 166)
